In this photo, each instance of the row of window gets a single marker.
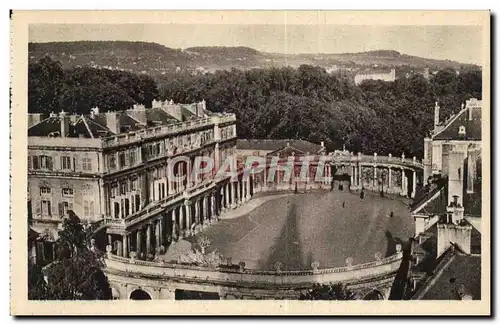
(123, 188)
(64, 207)
(43, 162)
(66, 191)
(156, 149)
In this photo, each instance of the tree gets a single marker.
(45, 80)
(328, 292)
(77, 272)
(37, 287)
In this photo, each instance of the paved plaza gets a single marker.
(298, 229)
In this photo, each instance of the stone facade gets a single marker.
(107, 171)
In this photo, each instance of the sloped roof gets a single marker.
(82, 127)
(158, 115)
(462, 270)
(472, 127)
(274, 145)
(45, 127)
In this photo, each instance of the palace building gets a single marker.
(379, 74)
(111, 167)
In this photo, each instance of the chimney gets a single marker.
(156, 103)
(449, 234)
(34, 118)
(138, 112)
(469, 111)
(322, 144)
(64, 118)
(436, 114)
(94, 111)
(113, 122)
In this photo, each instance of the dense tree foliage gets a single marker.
(52, 89)
(76, 274)
(306, 103)
(328, 292)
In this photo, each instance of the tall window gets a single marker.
(121, 159)
(114, 190)
(112, 161)
(133, 185)
(123, 188)
(87, 164)
(88, 208)
(64, 207)
(65, 162)
(42, 162)
(46, 208)
(132, 158)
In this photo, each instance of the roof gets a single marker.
(274, 145)
(472, 127)
(94, 126)
(157, 115)
(82, 127)
(460, 273)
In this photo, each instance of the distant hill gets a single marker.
(156, 59)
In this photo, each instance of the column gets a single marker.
(174, 225)
(189, 171)
(138, 243)
(414, 185)
(389, 185)
(217, 158)
(239, 188)
(181, 222)
(157, 235)
(375, 180)
(226, 196)
(187, 204)
(203, 212)
(148, 239)
(233, 194)
(160, 222)
(196, 212)
(125, 245)
(265, 178)
(249, 180)
(352, 176)
(213, 207)
(402, 181)
(119, 250)
(360, 185)
(110, 240)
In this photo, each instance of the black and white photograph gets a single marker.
(291, 157)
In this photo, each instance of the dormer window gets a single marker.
(461, 130)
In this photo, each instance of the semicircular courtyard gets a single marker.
(299, 229)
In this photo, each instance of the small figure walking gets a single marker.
(392, 214)
(362, 194)
(343, 204)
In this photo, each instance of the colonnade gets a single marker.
(383, 178)
(181, 220)
(378, 182)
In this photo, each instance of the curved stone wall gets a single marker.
(136, 274)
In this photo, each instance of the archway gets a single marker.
(373, 295)
(140, 295)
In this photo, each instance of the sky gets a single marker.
(457, 43)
